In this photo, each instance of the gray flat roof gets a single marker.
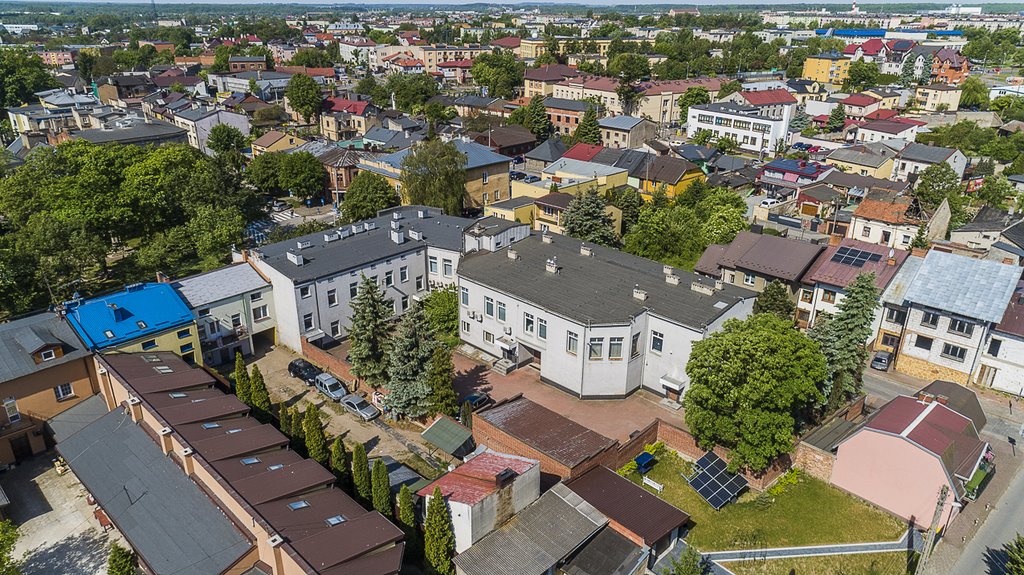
(71, 421)
(222, 283)
(168, 520)
(323, 258)
(597, 288)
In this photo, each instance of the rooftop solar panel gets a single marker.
(713, 481)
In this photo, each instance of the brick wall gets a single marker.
(813, 461)
(928, 370)
(327, 361)
(636, 443)
(484, 433)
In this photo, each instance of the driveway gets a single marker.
(616, 418)
(59, 534)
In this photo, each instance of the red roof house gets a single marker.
(582, 152)
(768, 97)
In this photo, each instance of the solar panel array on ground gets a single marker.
(853, 257)
(714, 482)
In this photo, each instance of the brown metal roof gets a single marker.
(771, 255)
(347, 542)
(141, 370)
(193, 432)
(165, 399)
(838, 274)
(280, 483)
(628, 505)
(386, 562)
(232, 445)
(1013, 318)
(556, 436)
(234, 469)
(301, 523)
(215, 408)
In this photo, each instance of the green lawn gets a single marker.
(866, 564)
(810, 512)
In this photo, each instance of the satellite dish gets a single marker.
(892, 253)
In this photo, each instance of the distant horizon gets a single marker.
(601, 3)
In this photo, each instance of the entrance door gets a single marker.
(886, 236)
(535, 355)
(21, 447)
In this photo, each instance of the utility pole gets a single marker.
(929, 539)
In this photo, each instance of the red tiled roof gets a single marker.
(892, 211)
(456, 64)
(509, 42)
(305, 71)
(583, 152)
(344, 105)
(859, 100)
(872, 47)
(881, 115)
(893, 126)
(409, 62)
(851, 49)
(474, 480)
(768, 97)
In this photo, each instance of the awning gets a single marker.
(672, 383)
(314, 335)
(447, 434)
(506, 343)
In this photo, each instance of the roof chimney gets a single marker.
(586, 250)
(639, 293)
(551, 265)
(701, 288)
(512, 254)
(545, 238)
(667, 270)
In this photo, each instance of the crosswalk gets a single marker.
(281, 217)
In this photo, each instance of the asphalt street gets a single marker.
(984, 553)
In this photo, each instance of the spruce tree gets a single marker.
(588, 131)
(341, 465)
(284, 419)
(407, 521)
(537, 118)
(241, 379)
(369, 333)
(313, 429)
(775, 299)
(438, 536)
(836, 119)
(259, 397)
(121, 561)
(585, 219)
(411, 348)
(1014, 550)
(844, 338)
(361, 474)
(466, 414)
(920, 238)
(298, 442)
(440, 377)
(381, 488)
(907, 75)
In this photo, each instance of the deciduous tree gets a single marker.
(439, 536)
(693, 96)
(936, 183)
(226, 138)
(22, 74)
(369, 333)
(466, 414)
(304, 96)
(302, 174)
(434, 174)
(441, 308)
(368, 194)
(689, 562)
(973, 93)
(499, 72)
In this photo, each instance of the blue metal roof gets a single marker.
(476, 156)
(796, 166)
(857, 32)
(136, 311)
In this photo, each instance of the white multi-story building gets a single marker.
(1001, 365)
(232, 306)
(597, 323)
(915, 158)
(199, 122)
(752, 130)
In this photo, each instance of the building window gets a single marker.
(889, 340)
(332, 297)
(993, 347)
(63, 391)
(657, 341)
(258, 296)
(828, 296)
(954, 352)
(389, 278)
(488, 306)
(501, 311)
(528, 323)
(465, 296)
(488, 337)
(432, 264)
(961, 327)
(182, 334)
(748, 279)
(571, 342)
(403, 274)
(634, 346)
(930, 319)
(596, 348)
(353, 289)
(419, 283)
(149, 344)
(895, 315)
(542, 328)
(186, 348)
(865, 232)
(236, 320)
(465, 326)
(906, 239)
(307, 322)
(11, 407)
(305, 292)
(48, 354)
(405, 302)
(204, 312)
(923, 342)
(615, 348)
(806, 295)
(335, 328)
(260, 313)
(449, 268)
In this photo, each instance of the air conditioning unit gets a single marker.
(472, 315)
(508, 331)
(275, 540)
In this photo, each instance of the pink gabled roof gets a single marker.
(881, 115)
(508, 42)
(851, 49)
(873, 46)
(582, 152)
(840, 275)
(768, 97)
(474, 480)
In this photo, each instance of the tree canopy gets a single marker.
(304, 96)
(226, 138)
(585, 219)
(499, 72)
(775, 299)
(844, 337)
(370, 332)
(434, 174)
(22, 74)
(368, 194)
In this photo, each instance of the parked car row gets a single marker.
(332, 388)
(806, 147)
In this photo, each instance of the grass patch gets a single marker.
(809, 512)
(421, 466)
(865, 564)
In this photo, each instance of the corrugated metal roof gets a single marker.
(978, 289)
(447, 434)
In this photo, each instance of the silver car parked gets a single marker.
(330, 386)
(359, 406)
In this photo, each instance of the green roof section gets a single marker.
(447, 434)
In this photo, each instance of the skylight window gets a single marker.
(163, 369)
(250, 460)
(296, 505)
(275, 467)
(109, 334)
(211, 425)
(141, 324)
(335, 520)
(234, 430)
(178, 394)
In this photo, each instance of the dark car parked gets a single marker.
(304, 370)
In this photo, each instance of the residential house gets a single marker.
(986, 228)
(341, 162)
(358, 50)
(754, 260)
(825, 282)
(315, 277)
(44, 370)
(938, 98)
(583, 152)
(565, 115)
(660, 102)
(860, 106)
(344, 119)
(943, 317)
(874, 160)
(110, 89)
(523, 305)
(899, 51)
(883, 130)
(486, 172)
(752, 131)
(626, 131)
(827, 68)
(378, 138)
(888, 99)
(781, 178)
(1000, 365)
(541, 81)
(633, 512)
(910, 448)
(777, 103)
(485, 492)
(915, 158)
(892, 220)
(274, 141)
(667, 174)
(574, 176)
(199, 122)
(549, 208)
(246, 63)
(508, 43)
(178, 464)
(132, 130)
(873, 50)
(545, 154)
(270, 86)
(805, 90)
(233, 308)
(508, 141)
(456, 71)
(521, 209)
(949, 66)
(470, 106)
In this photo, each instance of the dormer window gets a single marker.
(47, 355)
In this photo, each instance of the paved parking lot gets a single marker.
(59, 534)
